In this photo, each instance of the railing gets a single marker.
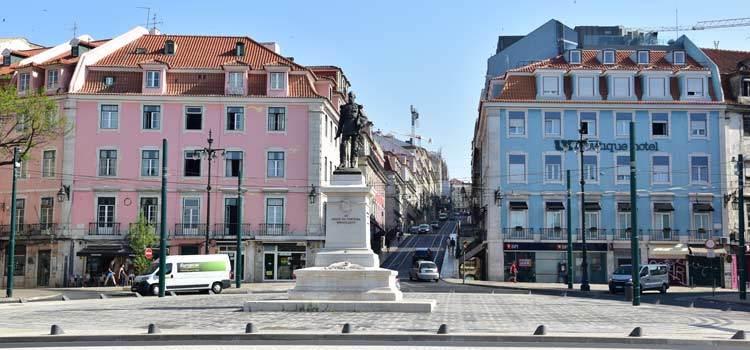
(554, 234)
(155, 226)
(104, 228)
(30, 229)
(273, 230)
(592, 235)
(699, 235)
(665, 235)
(190, 229)
(232, 229)
(622, 234)
(517, 233)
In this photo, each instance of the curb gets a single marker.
(16, 300)
(733, 302)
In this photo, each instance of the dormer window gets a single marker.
(643, 57)
(575, 57)
(153, 78)
(745, 91)
(550, 86)
(678, 57)
(277, 81)
(24, 81)
(108, 80)
(53, 77)
(239, 49)
(694, 87)
(236, 83)
(169, 47)
(608, 57)
(140, 50)
(585, 86)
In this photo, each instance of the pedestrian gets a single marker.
(452, 245)
(562, 273)
(513, 272)
(122, 275)
(110, 274)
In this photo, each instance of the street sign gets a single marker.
(149, 253)
(710, 244)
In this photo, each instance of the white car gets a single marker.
(187, 273)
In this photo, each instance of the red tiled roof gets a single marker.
(195, 84)
(727, 60)
(299, 86)
(256, 84)
(519, 88)
(125, 83)
(658, 61)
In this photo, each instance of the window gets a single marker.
(588, 123)
(517, 168)
(239, 49)
(108, 80)
(695, 87)
(152, 79)
(236, 83)
(276, 119)
(550, 86)
(552, 124)
(585, 86)
(24, 81)
(235, 118)
(233, 163)
(109, 118)
(592, 220)
(517, 218)
(554, 218)
(659, 124)
(20, 212)
(660, 169)
(275, 164)
(194, 118)
(699, 169)
(622, 124)
(278, 81)
(623, 219)
(107, 162)
(590, 168)
(53, 78)
(662, 220)
(657, 87)
(745, 88)
(622, 86)
(169, 47)
(623, 168)
(23, 171)
(191, 208)
(274, 211)
(678, 57)
(701, 221)
(698, 125)
(150, 209)
(20, 123)
(151, 117)
(19, 260)
(192, 164)
(575, 56)
(105, 215)
(516, 123)
(48, 163)
(643, 57)
(608, 56)
(46, 212)
(553, 168)
(150, 163)
(746, 125)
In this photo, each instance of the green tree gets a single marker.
(142, 235)
(27, 121)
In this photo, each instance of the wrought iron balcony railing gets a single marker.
(232, 229)
(592, 234)
(517, 233)
(554, 234)
(666, 234)
(104, 228)
(273, 229)
(190, 229)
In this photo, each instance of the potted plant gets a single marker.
(557, 229)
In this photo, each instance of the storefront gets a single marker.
(541, 262)
(675, 257)
(98, 258)
(280, 260)
(704, 268)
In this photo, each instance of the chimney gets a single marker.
(272, 46)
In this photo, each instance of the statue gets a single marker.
(352, 120)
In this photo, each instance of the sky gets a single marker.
(430, 54)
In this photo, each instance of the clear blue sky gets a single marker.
(431, 54)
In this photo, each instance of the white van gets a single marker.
(653, 277)
(187, 273)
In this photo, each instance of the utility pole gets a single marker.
(570, 233)
(238, 254)
(634, 250)
(163, 220)
(741, 252)
(11, 252)
(584, 264)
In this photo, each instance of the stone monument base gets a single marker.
(406, 306)
(361, 257)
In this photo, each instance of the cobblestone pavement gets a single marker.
(464, 313)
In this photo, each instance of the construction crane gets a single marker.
(701, 25)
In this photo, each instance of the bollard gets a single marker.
(629, 292)
(153, 329)
(727, 308)
(529, 293)
(636, 332)
(443, 329)
(740, 335)
(172, 293)
(346, 329)
(138, 295)
(541, 330)
(565, 294)
(102, 296)
(658, 301)
(249, 328)
(65, 298)
(22, 300)
(56, 330)
(692, 304)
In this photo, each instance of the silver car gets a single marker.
(424, 270)
(652, 276)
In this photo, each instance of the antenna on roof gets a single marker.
(154, 22)
(148, 13)
(74, 28)
(716, 44)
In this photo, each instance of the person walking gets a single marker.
(123, 276)
(452, 246)
(513, 272)
(562, 273)
(110, 274)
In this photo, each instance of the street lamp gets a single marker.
(582, 144)
(210, 154)
(64, 193)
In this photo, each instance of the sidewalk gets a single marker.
(29, 295)
(731, 297)
(450, 266)
(559, 287)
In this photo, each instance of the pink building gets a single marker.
(270, 117)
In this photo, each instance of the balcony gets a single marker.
(30, 230)
(230, 230)
(511, 233)
(554, 234)
(273, 230)
(190, 230)
(700, 235)
(592, 234)
(104, 228)
(622, 234)
(665, 235)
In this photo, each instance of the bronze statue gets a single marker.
(352, 120)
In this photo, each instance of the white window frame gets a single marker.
(653, 172)
(242, 162)
(185, 115)
(548, 213)
(560, 124)
(545, 91)
(577, 54)
(525, 124)
(560, 170)
(524, 212)
(510, 178)
(157, 166)
(98, 161)
(24, 82)
(707, 220)
(153, 79)
(593, 213)
(283, 167)
(285, 120)
(702, 84)
(241, 119)
(236, 82)
(639, 57)
(617, 92)
(109, 118)
(651, 122)
(182, 211)
(49, 173)
(277, 80)
(690, 125)
(675, 55)
(51, 83)
(610, 53)
(593, 86)
(619, 220)
(596, 121)
(616, 133)
(617, 168)
(159, 118)
(656, 214)
(708, 168)
(598, 167)
(664, 90)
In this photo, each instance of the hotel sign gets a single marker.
(571, 145)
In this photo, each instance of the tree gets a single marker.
(27, 122)
(142, 235)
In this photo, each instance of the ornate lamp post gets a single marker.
(582, 144)
(210, 154)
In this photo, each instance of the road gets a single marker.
(400, 259)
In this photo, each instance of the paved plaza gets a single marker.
(505, 314)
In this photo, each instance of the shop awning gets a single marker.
(518, 206)
(668, 251)
(623, 206)
(105, 250)
(702, 207)
(703, 251)
(663, 207)
(552, 206)
(592, 206)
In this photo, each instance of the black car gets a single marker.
(422, 254)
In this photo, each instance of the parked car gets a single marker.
(414, 230)
(435, 224)
(443, 216)
(422, 254)
(424, 228)
(187, 273)
(422, 270)
(653, 277)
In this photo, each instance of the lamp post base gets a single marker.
(585, 287)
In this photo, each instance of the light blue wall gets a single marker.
(678, 146)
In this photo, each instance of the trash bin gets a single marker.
(629, 291)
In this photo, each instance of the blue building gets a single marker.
(524, 142)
